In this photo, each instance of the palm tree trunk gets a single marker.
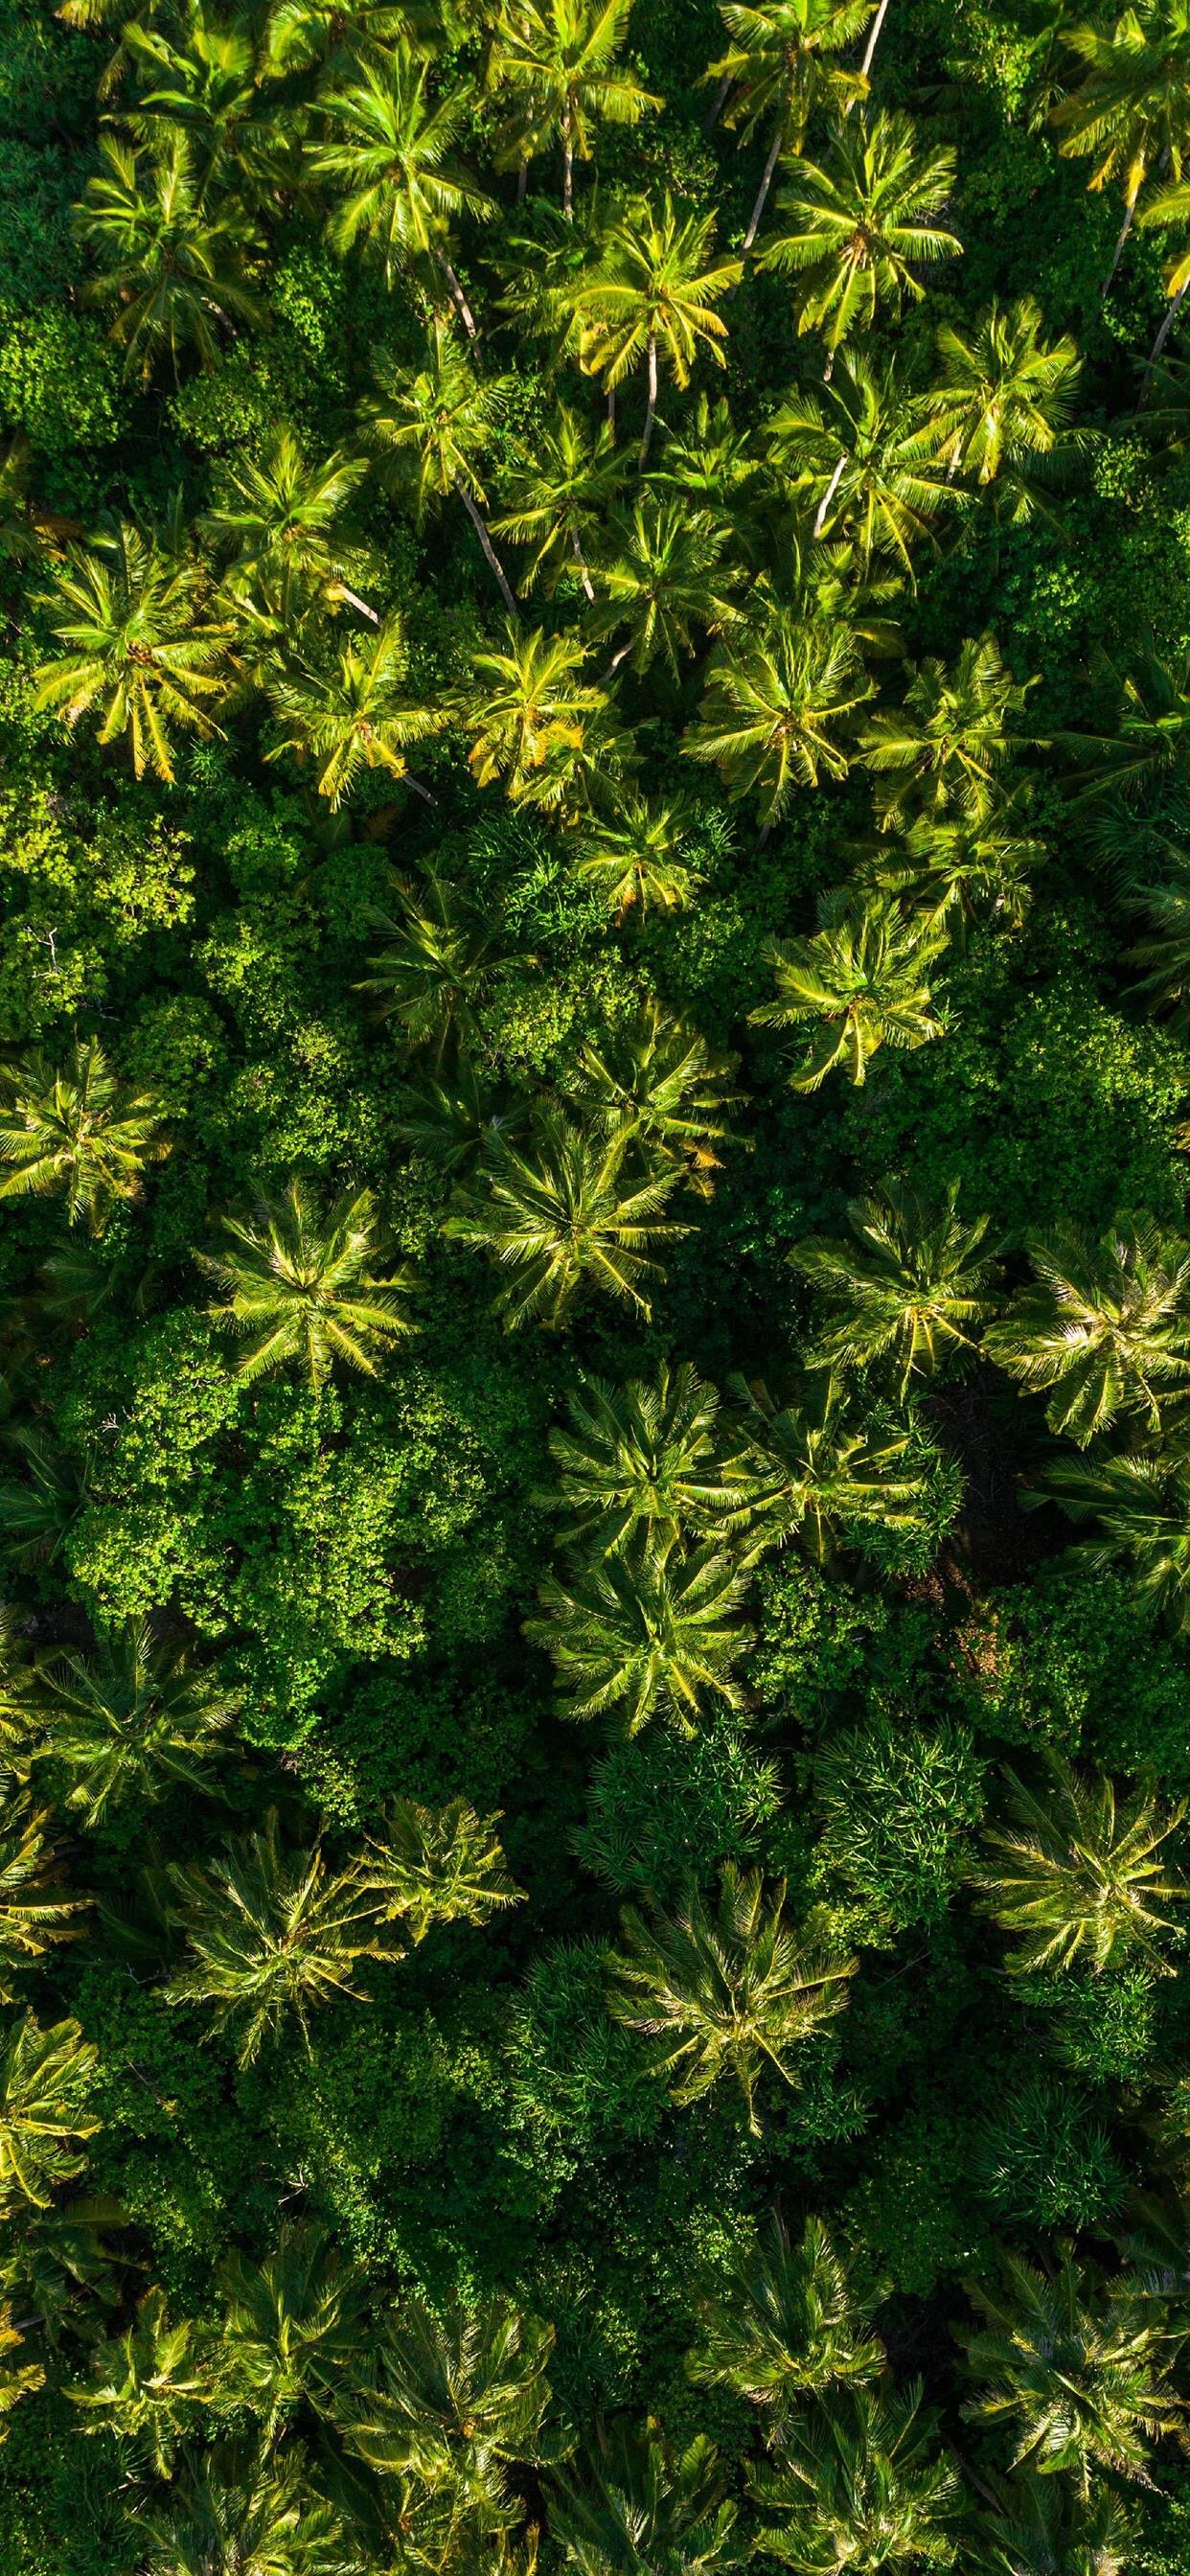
(353, 600)
(567, 169)
(583, 574)
(611, 409)
(651, 405)
(873, 39)
(1118, 254)
(491, 557)
(522, 181)
(765, 185)
(1172, 311)
(455, 292)
(718, 103)
(828, 496)
(617, 658)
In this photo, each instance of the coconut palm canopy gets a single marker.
(594, 1287)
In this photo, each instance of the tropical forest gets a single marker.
(594, 1287)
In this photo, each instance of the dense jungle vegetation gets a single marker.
(594, 1287)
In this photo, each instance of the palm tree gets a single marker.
(1143, 759)
(39, 1508)
(855, 231)
(774, 708)
(79, 1130)
(453, 2400)
(242, 2509)
(388, 157)
(16, 2381)
(570, 1209)
(1164, 952)
(652, 294)
(1038, 2528)
(436, 1865)
(637, 2505)
(137, 644)
(661, 575)
(46, 2081)
(439, 960)
(35, 1914)
(656, 1078)
(1106, 1325)
(775, 70)
(136, 1719)
(546, 732)
(915, 1282)
(788, 2320)
(272, 1936)
(353, 717)
(207, 90)
(436, 422)
(637, 856)
(292, 2325)
(652, 1632)
(274, 520)
(556, 493)
(147, 2385)
(1078, 1876)
(554, 63)
(300, 34)
(1141, 1502)
(176, 268)
(1169, 206)
(812, 1473)
(300, 1283)
(644, 1458)
(451, 1113)
(715, 464)
(1002, 414)
(865, 978)
(937, 756)
(857, 456)
(547, 264)
(723, 1988)
(961, 871)
(1074, 2370)
(860, 2483)
(1129, 112)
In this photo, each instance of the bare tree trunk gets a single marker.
(718, 103)
(522, 183)
(611, 409)
(567, 170)
(1125, 229)
(457, 297)
(617, 658)
(491, 557)
(873, 39)
(765, 185)
(828, 496)
(583, 574)
(651, 405)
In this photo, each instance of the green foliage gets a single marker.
(595, 716)
(60, 381)
(898, 1805)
